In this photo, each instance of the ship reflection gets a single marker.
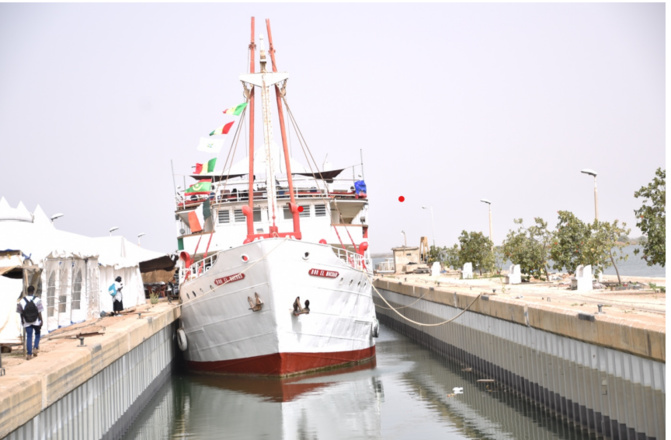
(315, 406)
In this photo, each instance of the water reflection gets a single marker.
(409, 394)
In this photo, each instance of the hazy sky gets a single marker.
(449, 103)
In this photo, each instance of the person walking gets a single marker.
(118, 298)
(30, 308)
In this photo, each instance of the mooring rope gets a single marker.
(420, 323)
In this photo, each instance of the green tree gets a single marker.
(529, 247)
(474, 247)
(451, 257)
(435, 254)
(604, 246)
(597, 244)
(568, 242)
(651, 219)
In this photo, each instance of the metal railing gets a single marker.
(355, 260)
(200, 267)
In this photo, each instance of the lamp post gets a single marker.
(596, 199)
(433, 231)
(55, 216)
(405, 242)
(489, 204)
(138, 237)
(112, 229)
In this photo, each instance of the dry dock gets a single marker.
(596, 359)
(88, 388)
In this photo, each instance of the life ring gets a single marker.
(181, 339)
(375, 328)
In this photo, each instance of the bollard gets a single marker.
(599, 307)
(81, 342)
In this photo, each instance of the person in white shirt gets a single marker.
(30, 308)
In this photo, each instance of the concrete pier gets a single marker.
(90, 388)
(602, 371)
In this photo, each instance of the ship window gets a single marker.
(305, 212)
(239, 216)
(257, 214)
(287, 213)
(224, 216)
(320, 210)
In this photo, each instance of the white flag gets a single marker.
(211, 145)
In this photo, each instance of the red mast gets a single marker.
(248, 210)
(292, 204)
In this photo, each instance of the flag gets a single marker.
(235, 111)
(201, 187)
(210, 145)
(196, 219)
(210, 164)
(205, 168)
(224, 129)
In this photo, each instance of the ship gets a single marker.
(274, 271)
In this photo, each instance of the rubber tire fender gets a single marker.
(181, 339)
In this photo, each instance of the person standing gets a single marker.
(30, 308)
(118, 298)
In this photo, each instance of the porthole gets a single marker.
(194, 293)
(245, 258)
(306, 255)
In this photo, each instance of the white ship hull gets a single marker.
(225, 335)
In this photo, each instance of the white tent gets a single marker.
(76, 270)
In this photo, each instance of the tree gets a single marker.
(568, 242)
(604, 246)
(451, 257)
(576, 243)
(651, 219)
(474, 247)
(529, 247)
(435, 254)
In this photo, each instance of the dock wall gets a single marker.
(601, 373)
(95, 391)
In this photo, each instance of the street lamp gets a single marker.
(138, 237)
(112, 229)
(491, 238)
(596, 199)
(433, 231)
(405, 242)
(55, 216)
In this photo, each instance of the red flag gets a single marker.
(223, 130)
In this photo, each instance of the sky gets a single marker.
(447, 104)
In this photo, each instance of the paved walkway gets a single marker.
(637, 301)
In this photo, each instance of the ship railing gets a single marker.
(355, 260)
(201, 266)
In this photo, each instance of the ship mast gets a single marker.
(264, 80)
(248, 210)
(285, 145)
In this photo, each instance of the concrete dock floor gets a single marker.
(635, 301)
(59, 342)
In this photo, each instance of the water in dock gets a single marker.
(409, 393)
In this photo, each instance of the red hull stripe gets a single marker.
(283, 364)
